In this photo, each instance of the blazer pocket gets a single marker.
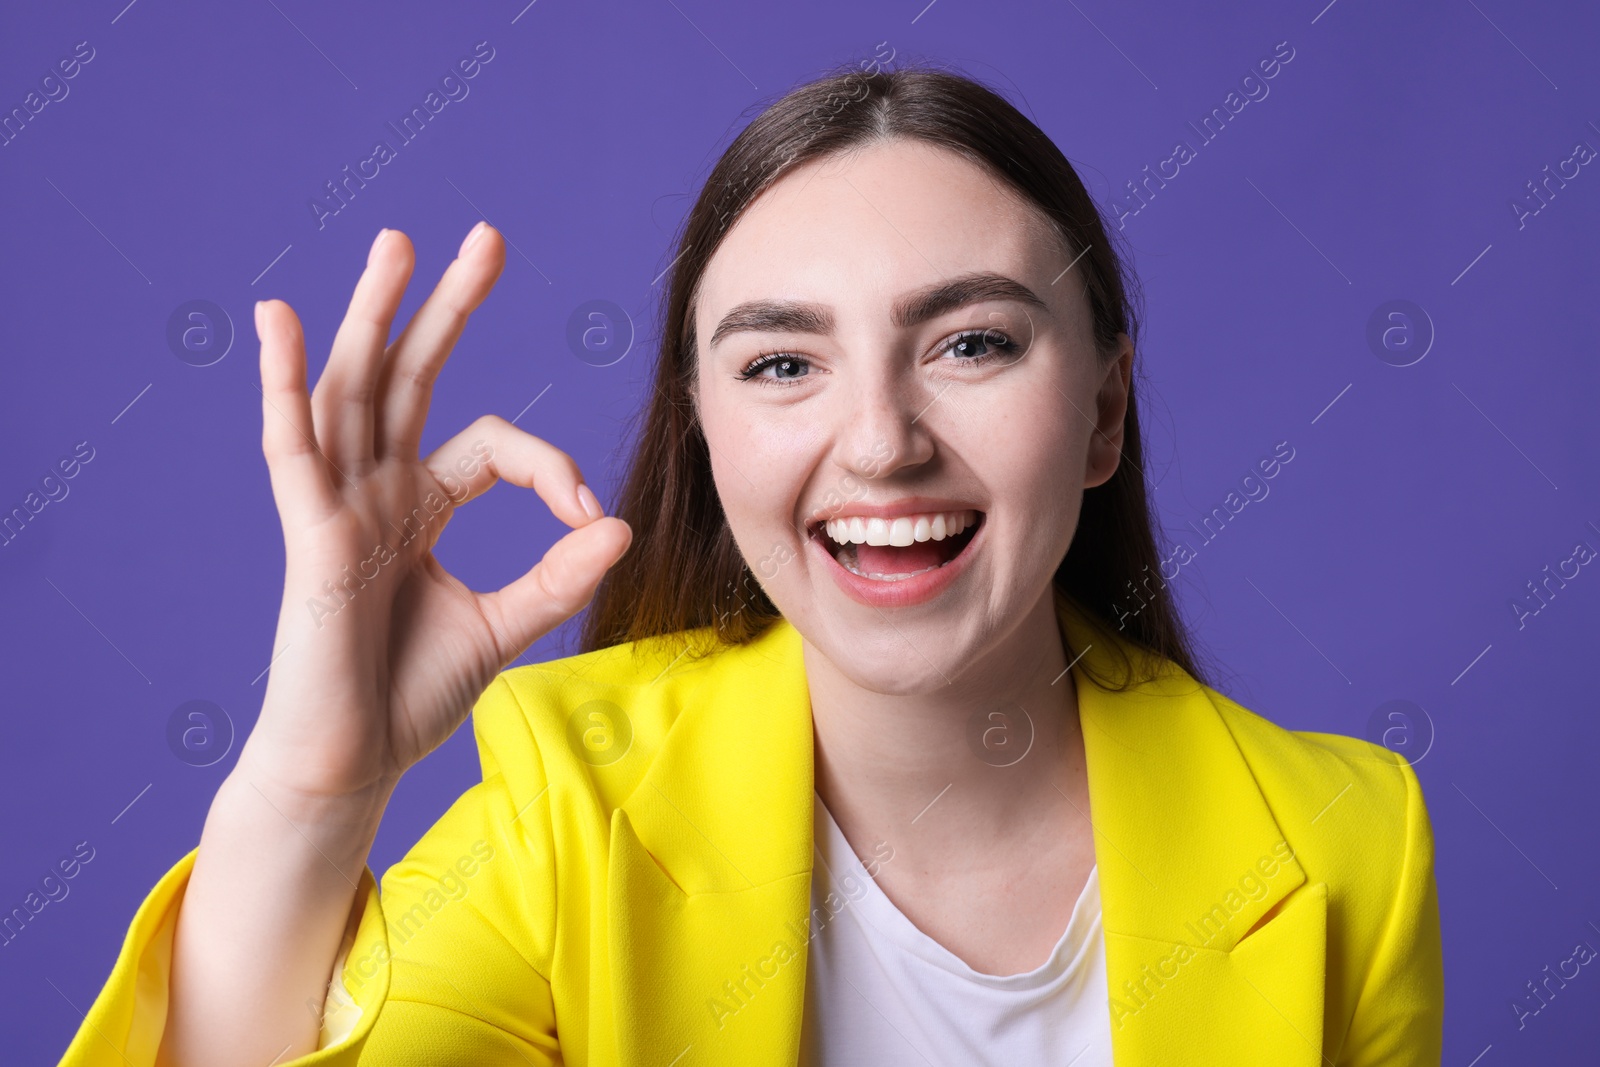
(1260, 1002)
(1283, 961)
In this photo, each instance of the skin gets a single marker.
(991, 870)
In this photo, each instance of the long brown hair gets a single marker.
(684, 571)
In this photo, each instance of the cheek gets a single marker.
(1029, 454)
(1027, 451)
(759, 463)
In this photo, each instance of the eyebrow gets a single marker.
(792, 316)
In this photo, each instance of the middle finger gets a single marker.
(405, 385)
(343, 399)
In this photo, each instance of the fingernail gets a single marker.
(376, 241)
(472, 238)
(588, 501)
(259, 303)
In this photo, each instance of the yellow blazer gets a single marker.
(1268, 897)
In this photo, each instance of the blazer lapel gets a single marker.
(1214, 940)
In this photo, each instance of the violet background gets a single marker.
(1381, 567)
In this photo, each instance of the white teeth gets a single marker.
(901, 531)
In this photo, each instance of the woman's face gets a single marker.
(893, 354)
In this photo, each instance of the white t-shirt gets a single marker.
(879, 991)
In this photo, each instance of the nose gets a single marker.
(882, 427)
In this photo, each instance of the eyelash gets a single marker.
(998, 350)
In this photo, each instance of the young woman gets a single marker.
(862, 765)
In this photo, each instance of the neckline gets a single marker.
(872, 906)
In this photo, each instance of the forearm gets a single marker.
(262, 918)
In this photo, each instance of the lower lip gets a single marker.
(918, 589)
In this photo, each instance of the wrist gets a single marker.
(349, 807)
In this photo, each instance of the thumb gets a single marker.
(559, 585)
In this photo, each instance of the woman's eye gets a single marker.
(781, 367)
(978, 346)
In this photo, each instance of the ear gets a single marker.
(1111, 401)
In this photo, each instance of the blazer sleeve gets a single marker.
(1399, 1016)
(440, 967)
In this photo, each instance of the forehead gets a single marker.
(861, 227)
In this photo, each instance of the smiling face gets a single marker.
(894, 355)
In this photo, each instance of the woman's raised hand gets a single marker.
(380, 652)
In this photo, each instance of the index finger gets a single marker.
(492, 449)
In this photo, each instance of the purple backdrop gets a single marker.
(1381, 258)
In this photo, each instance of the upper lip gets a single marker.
(912, 505)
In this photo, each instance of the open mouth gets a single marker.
(892, 550)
